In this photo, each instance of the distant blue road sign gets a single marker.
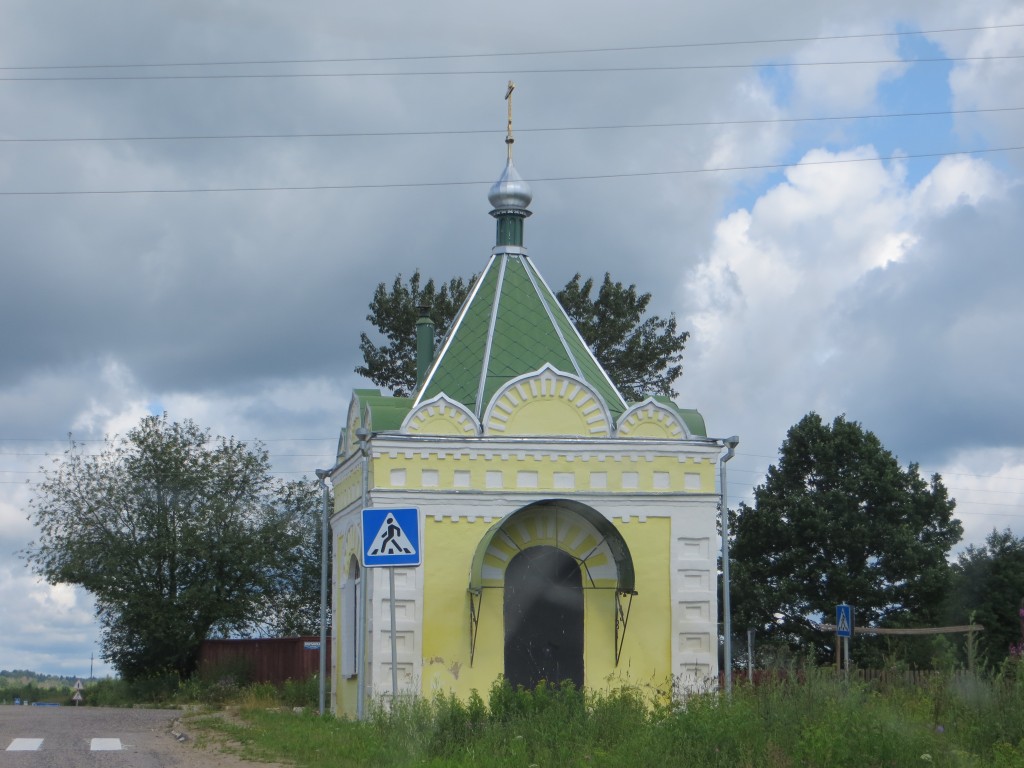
(391, 537)
(844, 620)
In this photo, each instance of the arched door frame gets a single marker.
(620, 577)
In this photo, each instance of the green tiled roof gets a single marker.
(692, 418)
(510, 325)
(387, 412)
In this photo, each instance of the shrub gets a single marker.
(302, 693)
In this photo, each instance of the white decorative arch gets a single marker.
(651, 418)
(563, 404)
(353, 420)
(441, 412)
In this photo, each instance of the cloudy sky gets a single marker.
(198, 198)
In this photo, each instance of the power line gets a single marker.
(776, 458)
(554, 52)
(963, 506)
(951, 488)
(55, 455)
(414, 185)
(27, 481)
(518, 71)
(332, 440)
(740, 485)
(733, 484)
(76, 440)
(960, 511)
(492, 131)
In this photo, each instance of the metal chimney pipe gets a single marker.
(424, 344)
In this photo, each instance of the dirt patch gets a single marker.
(197, 748)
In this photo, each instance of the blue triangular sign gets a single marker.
(391, 537)
(844, 620)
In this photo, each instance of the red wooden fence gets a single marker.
(264, 660)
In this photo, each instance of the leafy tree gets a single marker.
(988, 586)
(838, 520)
(394, 313)
(177, 536)
(293, 608)
(641, 354)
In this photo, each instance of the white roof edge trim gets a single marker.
(341, 467)
(600, 367)
(490, 337)
(451, 332)
(519, 250)
(533, 276)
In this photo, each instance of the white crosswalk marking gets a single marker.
(95, 745)
(25, 745)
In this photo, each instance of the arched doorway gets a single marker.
(543, 618)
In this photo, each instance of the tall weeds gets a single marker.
(811, 719)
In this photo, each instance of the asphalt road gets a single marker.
(77, 737)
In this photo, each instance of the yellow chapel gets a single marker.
(564, 534)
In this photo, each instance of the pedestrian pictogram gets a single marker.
(391, 537)
(844, 620)
(391, 540)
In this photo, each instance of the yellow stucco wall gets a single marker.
(345, 688)
(433, 470)
(448, 552)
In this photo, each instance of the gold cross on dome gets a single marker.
(508, 138)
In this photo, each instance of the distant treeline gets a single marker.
(21, 677)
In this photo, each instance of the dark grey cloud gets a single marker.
(214, 290)
(931, 347)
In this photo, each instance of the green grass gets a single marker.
(816, 721)
(219, 688)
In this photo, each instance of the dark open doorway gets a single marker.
(543, 618)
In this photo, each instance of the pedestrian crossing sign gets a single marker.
(391, 537)
(844, 620)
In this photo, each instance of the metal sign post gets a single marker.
(363, 436)
(394, 638)
(846, 656)
(391, 538)
(844, 630)
(750, 655)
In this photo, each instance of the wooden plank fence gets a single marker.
(263, 660)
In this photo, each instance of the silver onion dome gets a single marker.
(510, 191)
